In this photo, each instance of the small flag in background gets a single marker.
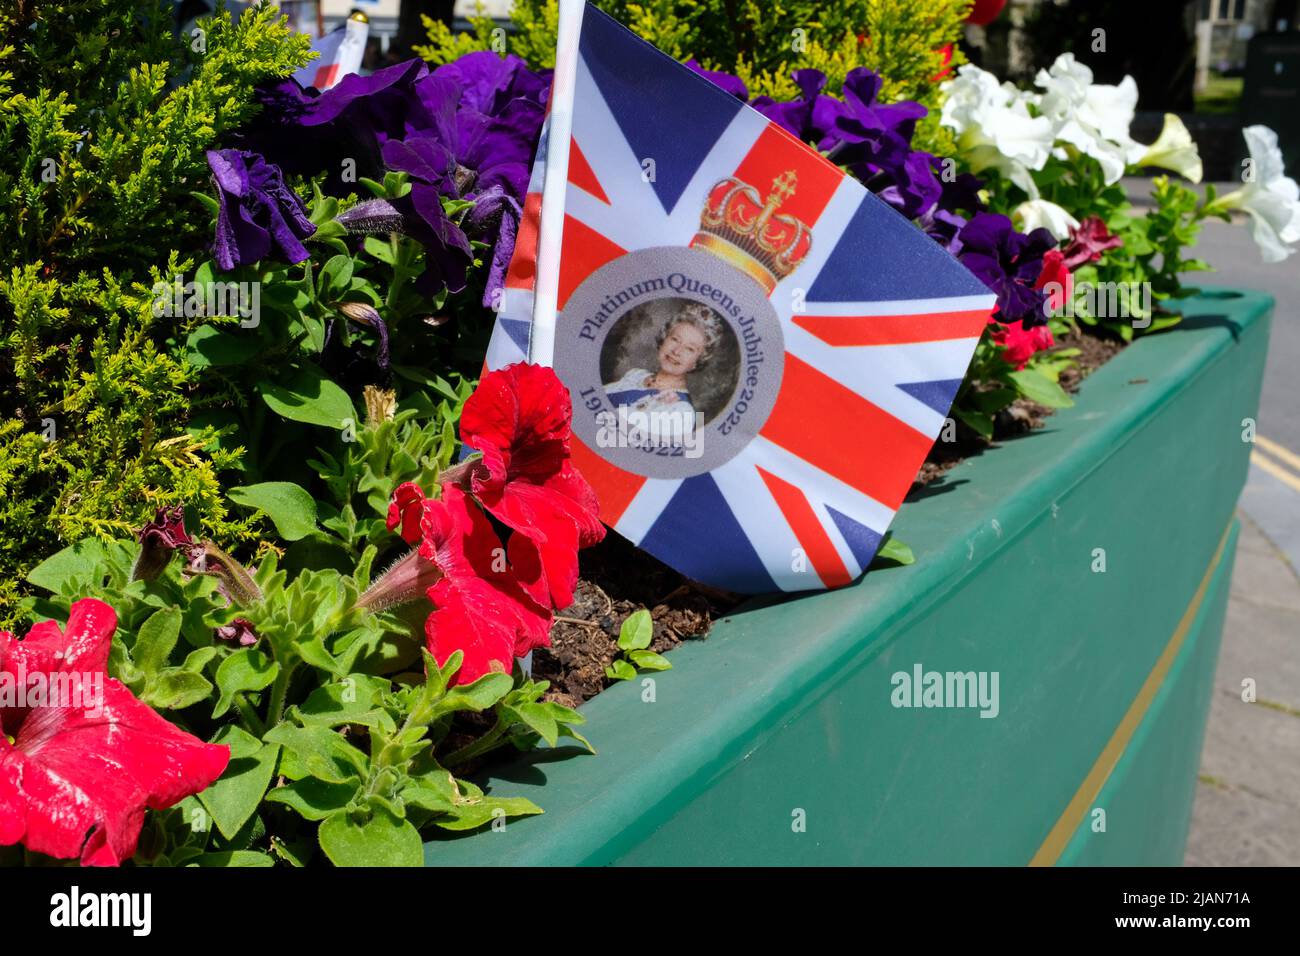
(760, 353)
(341, 52)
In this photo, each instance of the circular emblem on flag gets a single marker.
(673, 358)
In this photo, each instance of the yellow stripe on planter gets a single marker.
(1077, 808)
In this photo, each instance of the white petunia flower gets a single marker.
(994, 127)
(1093, 118)
(1174, 150)
(1271, 198)
(1039, 213)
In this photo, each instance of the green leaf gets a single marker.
(896, 551)
(636, 632)
(233, 799)
(478, 696)
(248, 669)
(1037, 387)
(377, 839)
(322, 753)
(379, 248)
(208, 346)
(175, 689)
(992, 401)
(156, 639)
(309, 397)
(335, 276)
(348, 701)
(208, 202)
(979, 422)
(76, 562)
(227, 858)
(539, 719)
(480, 810)
(290, 508)
(650, 661)
(315, 654)
(314, 799)
(376, 189)
(620, 670)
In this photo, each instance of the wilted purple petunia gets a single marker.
(256, 209)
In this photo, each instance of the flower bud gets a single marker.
(409, 579)
(158, 539)
(361, 312)
(233, 579)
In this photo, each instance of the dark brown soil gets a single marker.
(618, 579)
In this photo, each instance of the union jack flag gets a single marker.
(878, 322)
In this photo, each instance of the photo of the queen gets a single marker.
(673, 356)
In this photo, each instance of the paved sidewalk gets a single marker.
(1247, 810)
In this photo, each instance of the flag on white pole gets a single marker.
(341, 52)
(760, 353)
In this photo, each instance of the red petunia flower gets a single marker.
(480, 606)
(519, 418)
(495, 603)
(1021, 343)
(1055, 276)
(80, 757)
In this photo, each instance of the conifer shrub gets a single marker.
(105, 116)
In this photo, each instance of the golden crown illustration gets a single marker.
(744, 229)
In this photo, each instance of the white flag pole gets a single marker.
(550, 232)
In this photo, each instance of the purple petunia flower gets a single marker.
(727, 82)
(873, 140)
(489, 84)
(466, 130)
(864, 115)
(944, 227)
(1009, 263)
(812, 117)
(256, 209)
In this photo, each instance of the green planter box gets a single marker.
(777, 739)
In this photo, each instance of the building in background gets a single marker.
(1223, 29)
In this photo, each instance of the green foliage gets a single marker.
(1152, 255)
(104, 119)
(634, 639)
(357, 767)
(992, 383)
(759, 40)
